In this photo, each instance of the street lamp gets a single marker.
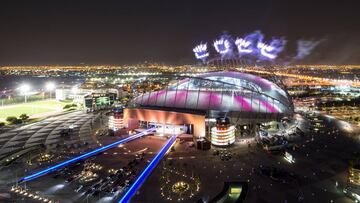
(24, 89)
(50, 86)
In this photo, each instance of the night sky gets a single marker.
(55, 32)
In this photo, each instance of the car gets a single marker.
(79, 188)
(103, 185)
(95, 186)
(102, 180)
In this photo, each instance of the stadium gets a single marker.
(210, 104)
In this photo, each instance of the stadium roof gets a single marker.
(224, 91)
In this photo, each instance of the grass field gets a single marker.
(31, 108)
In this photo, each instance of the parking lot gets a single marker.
(101, 178)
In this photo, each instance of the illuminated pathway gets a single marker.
(146, 172)
(83, 156)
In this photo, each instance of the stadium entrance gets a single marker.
(163, 129)
(166, 122)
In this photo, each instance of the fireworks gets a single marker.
(222, 46)
(201, 52)
(243, 46)
(271, 51)
(252, 44)
(304, 48)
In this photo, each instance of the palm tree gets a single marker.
(24, 117)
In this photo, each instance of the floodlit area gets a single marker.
(33, 109)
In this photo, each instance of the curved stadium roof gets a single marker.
(221, 92)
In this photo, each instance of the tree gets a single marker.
(24, 117)
(17, 121)
(11, 119)
(68, 106)
(2, 124)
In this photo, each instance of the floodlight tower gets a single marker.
(50, 86)
(24, 89)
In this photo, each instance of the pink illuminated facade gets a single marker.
(132, 117)
(196, 102)
(240, 96)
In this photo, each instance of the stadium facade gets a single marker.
(192, 104)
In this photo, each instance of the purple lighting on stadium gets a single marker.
(201, 52)
(269, 108)
(244, 103)
(255, 95)
(222, 46)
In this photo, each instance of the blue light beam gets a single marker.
(146, 172)
(83, 156)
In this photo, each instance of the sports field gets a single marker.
(31, 108)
